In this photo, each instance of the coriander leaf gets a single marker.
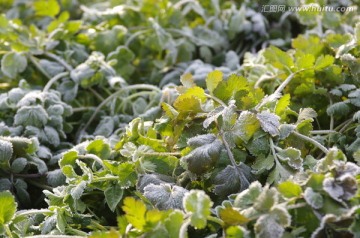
(198, 205)
(213, 79)
(232, 217)
(135, 212)
(323, 62)
(7, 208)
(173, 223)
(246, 125)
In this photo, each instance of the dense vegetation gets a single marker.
(192, 118)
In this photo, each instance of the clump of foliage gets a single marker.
(178, 119)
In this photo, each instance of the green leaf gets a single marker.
(46, 8)
(205, 154)
(198, 205)
(213, 79)
(289, 189)
(13, 63)
(100, 148)
(305, 61)
(269, 122)
(7, 207)
(127, 174)
(113, 196)
(235, 232)
(52, 136)
(281, 105)
(6, 152)
(165, 196)
(323, 62)
(232, 217)
(173, 223)
(191, 100)
(247, 125)
(309, 17)
(135, 212)
(226, 89)
(124, 57)
(278, 58)
(31, 116)
(306, 113)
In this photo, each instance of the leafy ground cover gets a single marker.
(179, 119)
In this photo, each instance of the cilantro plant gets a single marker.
(178, 119)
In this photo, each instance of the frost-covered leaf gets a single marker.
(113, 195)
(285, 130)
(55, 178)
(343, 187)
(165, 196)
(314, 199)
(40, 164)
(78, 190)
(272, 224)
(52, 135)
(13, 63)
(198, 204)
(306, 113)
(213, 116)
(205, 153)
(6, 152)
(105, 127)
(232, 180)
(18, 165)
(269, 122)
(247, 197)
(266, 199)
(262, 164)
(31, 116)
(291, 156)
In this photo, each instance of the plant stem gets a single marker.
(54, 236)
(317, 132)
(216, 220)
(183, 229)
(59, 60)
(286, 82)
(162, 153)
(94, 157)
(8, 231)
(294, 206)
(312, 141)
(33, 212)
(39, 67)
(112, 96)
(53, 80)
(39, 185)
(29, 175)
(216, 99)
(96, 94)
(105, 178)
(80, 109)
